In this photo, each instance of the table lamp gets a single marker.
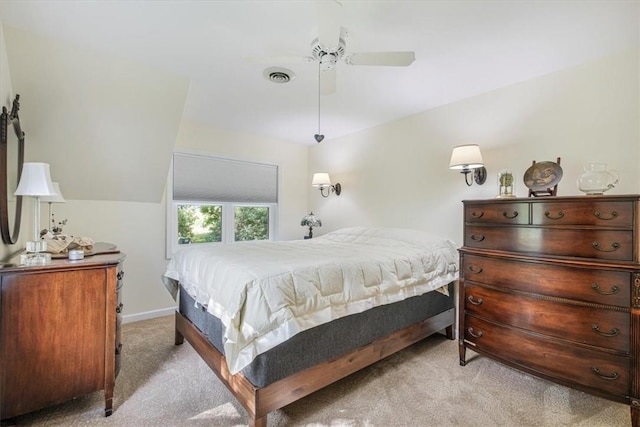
(310, 221)
(35, 181)
(55, 229)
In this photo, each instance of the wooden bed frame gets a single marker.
(260, 401)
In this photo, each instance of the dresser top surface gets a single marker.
(547, 199)
(103, 254)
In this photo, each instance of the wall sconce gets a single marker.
(468, 159)
(322, 181)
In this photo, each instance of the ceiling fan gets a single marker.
(330, 47)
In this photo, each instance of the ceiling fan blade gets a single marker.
(398, 59)
(329, 15)
(328, 82)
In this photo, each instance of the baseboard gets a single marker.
(130, 318)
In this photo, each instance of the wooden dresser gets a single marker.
(551, 286)
(59, 332)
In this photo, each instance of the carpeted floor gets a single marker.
(165, 385)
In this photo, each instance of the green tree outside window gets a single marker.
(251, 223)
(203, 223)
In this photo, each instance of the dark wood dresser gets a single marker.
(551, 286)
(59, 332)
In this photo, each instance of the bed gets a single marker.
(277, 321)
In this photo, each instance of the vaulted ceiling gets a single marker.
(462, 48)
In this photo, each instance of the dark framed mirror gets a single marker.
(11, 161)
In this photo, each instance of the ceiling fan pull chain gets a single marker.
(318, 136)
(319, 71)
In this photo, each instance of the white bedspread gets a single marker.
(266, 292)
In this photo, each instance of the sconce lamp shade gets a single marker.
(321, 179)
(57, 198)
(468, 160)
(35, 181)
(466, 157)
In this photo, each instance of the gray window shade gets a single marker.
(212, 179)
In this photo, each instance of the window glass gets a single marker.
(251, 223)
(199, 223)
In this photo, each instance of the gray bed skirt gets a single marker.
(323, 342)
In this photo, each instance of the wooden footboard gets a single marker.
(260, 401)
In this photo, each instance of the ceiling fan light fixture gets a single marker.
(318, 51)
(278, 75)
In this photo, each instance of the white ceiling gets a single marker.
(463, 48)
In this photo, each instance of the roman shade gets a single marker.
(213, 179)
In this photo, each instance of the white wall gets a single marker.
(106, 124)
(6, 100)
(397, 174)
(6, 90)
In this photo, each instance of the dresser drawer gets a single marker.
(555, 358)
(583, 284)
(601, 214)
(588, 325)
(503, 213)
(585, 243)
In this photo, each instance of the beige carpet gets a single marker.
(165, 385)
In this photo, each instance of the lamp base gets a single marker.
(35, 254)
(36, 246)
(35, 258)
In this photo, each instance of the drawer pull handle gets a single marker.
(120, 275)
(119, 308)
(598, 215)
(119, 348)
(548, 215)
(614, 332)
(613, 376)
(474, 302)
(477, 238)
(513, 215)
(474, 270)
(477, 215)
(478, 335)
(614, 247)
(614, 290)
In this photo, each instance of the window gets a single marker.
(199, 223)
(216, 200)
(251, 223)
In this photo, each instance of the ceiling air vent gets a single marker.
(278, 75)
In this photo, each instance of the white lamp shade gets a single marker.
(321, 179)
(35, 180)
(466, 157)
(56, 198)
